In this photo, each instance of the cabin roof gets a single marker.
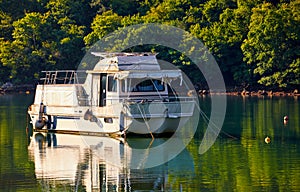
(125, 62)
(161, 74)
(115, 54)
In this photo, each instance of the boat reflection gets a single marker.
(92, 163)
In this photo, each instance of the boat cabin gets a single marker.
(120, 94)
(126, 76)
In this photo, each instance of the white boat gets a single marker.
(124, 93)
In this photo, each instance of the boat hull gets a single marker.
(136, 126)
(155, 117)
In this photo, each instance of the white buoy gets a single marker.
(285, 120)
(267, 140)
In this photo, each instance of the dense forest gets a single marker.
(255, 43)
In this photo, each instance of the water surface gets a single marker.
(239, 160)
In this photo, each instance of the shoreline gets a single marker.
(259, 93)
(30, 88)
(13, 89)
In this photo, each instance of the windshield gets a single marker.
(142, 85)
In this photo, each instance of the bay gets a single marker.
(239, 160)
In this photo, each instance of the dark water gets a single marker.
(239, 160)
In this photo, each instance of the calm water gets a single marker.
(239, 160)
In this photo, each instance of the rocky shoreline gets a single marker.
(245, 92)
(267, 93)
(8, 88)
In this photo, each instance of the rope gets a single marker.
(144, 159)
(156, 88)
(207, 120)
(173, 91)
(27, 122)
(148, 127)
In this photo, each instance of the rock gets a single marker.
(245, 92)
(203, 92)
(263, 92)
(7, 86)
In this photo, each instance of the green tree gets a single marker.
(251, 40)
(25, 54)
(212, 9)
(67, 21)
(273, 43)
(5, 25)
(224, 39)
(102, 25)
(80, 12)
(5, 35)
(45, 41)
(120, 7)
(17, 9)
(4, 70)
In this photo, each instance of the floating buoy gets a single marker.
(285, 119)
(267, 140)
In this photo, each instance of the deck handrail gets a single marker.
(61, 77)
(153, 99)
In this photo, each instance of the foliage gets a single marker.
(42, 41)
(224, 39)
(254, 42)
(102, 25)
(273, 42)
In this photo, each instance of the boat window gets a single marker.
(112, 84)
(145, 85)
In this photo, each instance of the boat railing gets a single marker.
(179, 106)
(62, 77)
(152, 99)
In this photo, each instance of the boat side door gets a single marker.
(102, 93)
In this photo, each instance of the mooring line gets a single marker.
(207, 120)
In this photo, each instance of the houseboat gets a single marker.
(124, 93)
